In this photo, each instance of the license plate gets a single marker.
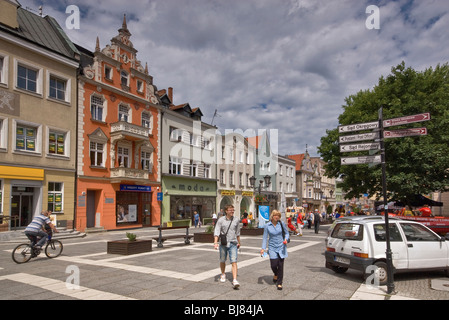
(341, 260)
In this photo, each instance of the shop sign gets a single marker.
(247, 193)
(228, 192)
(130, 187)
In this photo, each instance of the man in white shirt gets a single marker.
(35, 228)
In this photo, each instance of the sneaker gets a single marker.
(235, 284)
(223, 278)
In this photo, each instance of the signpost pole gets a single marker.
(390, 281)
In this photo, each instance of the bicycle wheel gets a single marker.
(53, 248)
(22, 253)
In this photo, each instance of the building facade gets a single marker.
(235, 166)
(189, 178)
(118, 139)
(37, 117)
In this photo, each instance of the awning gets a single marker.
(419, 200)
(21, 173)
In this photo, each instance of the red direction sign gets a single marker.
(405, 133)
(407, 119)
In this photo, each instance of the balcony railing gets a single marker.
(129, 173)
(129, 131)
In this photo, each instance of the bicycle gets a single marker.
(25, 251)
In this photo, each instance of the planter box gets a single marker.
(126, 247)
(203, 237)
(4, 227)
(251, 232)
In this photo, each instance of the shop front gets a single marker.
(183, 196)
(113, 206)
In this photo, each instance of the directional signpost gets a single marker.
(379, 134)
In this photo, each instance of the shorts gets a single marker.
(231, 249)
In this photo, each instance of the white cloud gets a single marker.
(280, 64)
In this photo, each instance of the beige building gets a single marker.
(38, 70)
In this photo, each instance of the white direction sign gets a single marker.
(407, 119)
(359, 126)
(360, 147)
(361, 160)
(359, 137)
(405, 133)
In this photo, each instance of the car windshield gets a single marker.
(348, 231)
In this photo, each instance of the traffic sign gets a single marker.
(359, 137)
(405, 133)
(359, 126)
(407, 119)
(361, 160)
(360, 147)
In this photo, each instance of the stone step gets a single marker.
(19, 235)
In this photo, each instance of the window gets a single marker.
(240, 178)
(26, 138)
(348, 231)
(3, 68)
(107, 72)
(27, 78)
(146, 160)
(96, 108)
(417, 232)
(146, 120)
(3, 133)
(175, 165)
(193, 168)
(57, 88)
(139, 86)
(96, 154)
(57, 142)
(123, 113)
(231, 178)
(222, 176)
(206, 170)
(55, 196)
(380, 232)
(175, 134)
(123, 157)
(124, 78)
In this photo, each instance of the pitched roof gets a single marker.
(45, 32)
(298, 159)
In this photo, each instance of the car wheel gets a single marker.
(382, 272)
(338, 269)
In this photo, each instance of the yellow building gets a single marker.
(38, 70)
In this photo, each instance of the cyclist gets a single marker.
(35, 228)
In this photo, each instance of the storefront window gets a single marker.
(182, 207)
(127, 207)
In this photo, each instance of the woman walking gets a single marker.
(275, 238)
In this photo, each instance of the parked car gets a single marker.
(360, 242)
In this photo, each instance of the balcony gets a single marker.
(124, 130)
(129, 173)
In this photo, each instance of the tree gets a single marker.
(414, 165)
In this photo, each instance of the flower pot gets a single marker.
(126, 247)
(203, 237)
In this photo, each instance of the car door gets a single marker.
(397, 244)
(425, 248)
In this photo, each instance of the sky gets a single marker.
(282, 65)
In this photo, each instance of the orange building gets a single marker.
(118, 142)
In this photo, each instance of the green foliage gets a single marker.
(131, 236)
(415, 165)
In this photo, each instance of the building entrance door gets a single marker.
(22, 206)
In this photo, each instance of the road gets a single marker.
(187, 272)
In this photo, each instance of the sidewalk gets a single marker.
(376, 293)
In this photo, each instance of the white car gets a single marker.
(359, 242)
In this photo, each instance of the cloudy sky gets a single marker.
(283, 65)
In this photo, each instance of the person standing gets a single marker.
(317, 219)
(196, 218)
(309, 220)
(228, 225)
(275, 238)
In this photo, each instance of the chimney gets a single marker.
(8, 13)
(170, 94)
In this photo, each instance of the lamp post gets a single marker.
(252, 181)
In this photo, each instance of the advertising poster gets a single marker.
(264, 215)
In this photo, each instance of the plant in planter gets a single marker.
(131, 236)
(206, 236)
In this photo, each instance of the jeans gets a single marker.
(231, 249)
(40, 233)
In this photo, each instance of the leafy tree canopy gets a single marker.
(414, 165)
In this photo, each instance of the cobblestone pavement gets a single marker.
(190, 272)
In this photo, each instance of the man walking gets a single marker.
(228, 227)
(317, 219)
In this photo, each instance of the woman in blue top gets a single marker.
(277, 246)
